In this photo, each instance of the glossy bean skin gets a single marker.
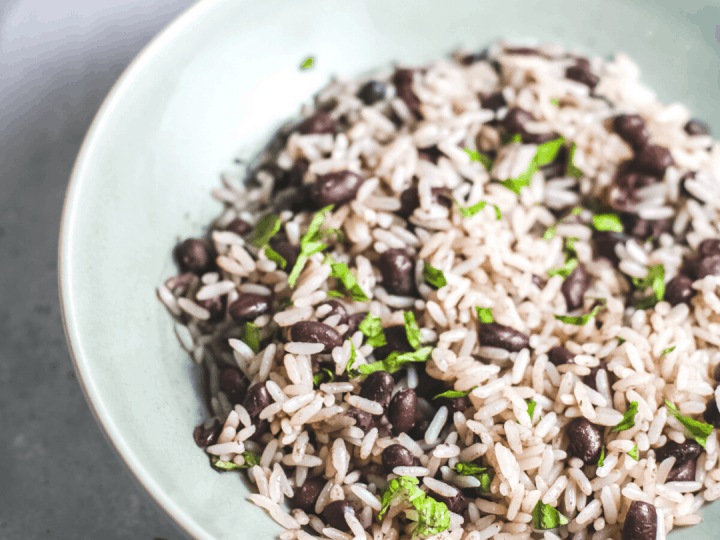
(679, 290)
(492, 101)
(338, 308)
(372, 92)
(403, 81)
(683, 472)
(378, 387)
(654, 159)
(560, 356)
(640, 522)
(257, 399)
(306, 496)
(205, 437)
(502, 337)
(590, 380)
(709, 266)
(632, 129)
(410, 199)
(605, 242)
(688, 450)
(581, 73)
(195, 255)
(239, 227)
(711, 414)
(574, 287)
(402, 411)
(320, 122)
(287, 251)
(397, 455)
(585, 440)
(316, 332)
(234, 384)
(249, 306)
(354, 322)
(363, 419)
(337, 188)
(709, 247)
(334, 514)
(457, 504)
(696, 127)
(397, 341)
(397, 268)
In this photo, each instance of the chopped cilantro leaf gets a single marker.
(267, 227)
(699, 431)
(275, 257)
(307, 63)
(480, 158)
(546, 517)
(485, 314)
(628, 420)
(395, 361)
(251, 459)
(372, 328)
(252, 337)
(578, 321)
(434, 277)
(656, 279)
(343, 273)
(634, 453)
(412, 330)
(601, 461)
(668, 350)
(455, 393)
(607, 222)
(572, 169)
(470, 211)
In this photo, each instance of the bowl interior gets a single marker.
(215, 85)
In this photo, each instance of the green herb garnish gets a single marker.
(252, 337)
(480, 158)
(546, 517)
(455, 393)
(628, 420)
(621, 341)
(484, 314)
(275, 257)
(578, 321)
(433, 276)
(601, 461)
(430, 516)
(634, 453)
(372, 328)
(656, 279)
(550, 233)
(267, 227)
(468, 468)
(412, 330)
(251, 459)
(531, 404)
(323, 376)
(571, 260)
(545, 154)
(311, 243)
(474, 209)
(555, 102)
(668, 350)
(396, 360)
(572, 169)
(342, 272)
(699, 431)
(307, 63)
(607, 222)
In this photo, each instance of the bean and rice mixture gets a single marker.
(472, 300)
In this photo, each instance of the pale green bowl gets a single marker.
(219, 81)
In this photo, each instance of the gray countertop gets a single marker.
(59, 477)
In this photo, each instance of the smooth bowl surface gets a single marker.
(216, 84)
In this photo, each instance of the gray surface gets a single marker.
(59, 477)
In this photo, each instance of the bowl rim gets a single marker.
(74, 340)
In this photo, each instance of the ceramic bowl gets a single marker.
(216, 84)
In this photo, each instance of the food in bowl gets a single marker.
(475, 299)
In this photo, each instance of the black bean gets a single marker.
(316, 332)
(709, 247)
(682, 472)
(403, 80)
(522, 51)
(470, 59)
(458, 404)
(338, 308)
(711, 414)
(679, 290)
(234, 384)
(591, 378)
(287, 251)
(515, 120)
(378, 387)
(582, 74)
(585, 440)
(560, 356)
(503, 337)
(431, 154)
(320, 122)
(181, 282)
(382, 423)
(539, 138)
(396, 337)
(709, 266)
(457, 504)
(207, 436)
(697, 127)
(410, 200)
(537, 281)
(257, 399)
(396, 455)
(398, 272)
(441, 196)
(354, 321)
(239, 227)
(645, 228)
(306, 496)
(249, 306)
(422, 424)
(363, 419)
(654, 160)
(216, 307)
(402, 411)
(632, 129)
(195, 255)
(640, 522)
(716, 373)
(336, 188)
(334, 514)
(372, 92)
(294, 177)
(690, 267)
(428, 386)
(680, 451)
(623, 192)
(605, 242)
(492, 101)
(574, 287)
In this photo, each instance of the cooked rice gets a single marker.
(622, 355)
